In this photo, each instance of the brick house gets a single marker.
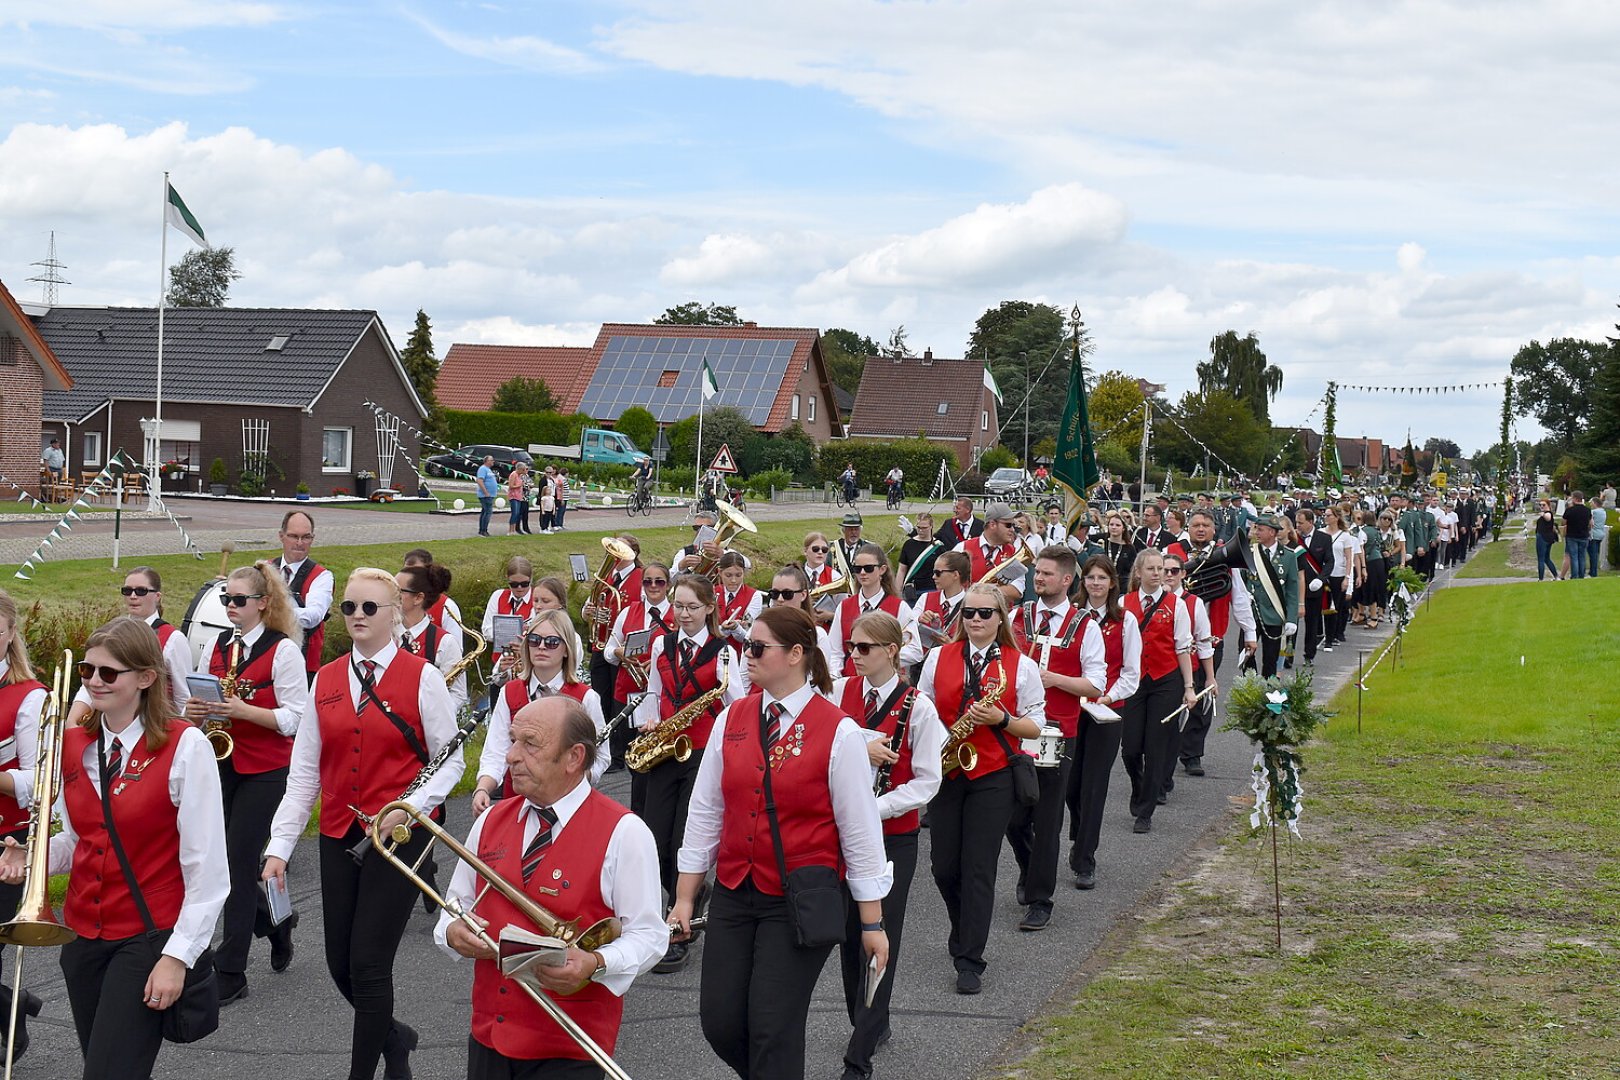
(28, 369)
(227, 373)
(946, 401)
(775, 375)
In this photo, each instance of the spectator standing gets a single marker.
(1607, 496)
(1546, 537)
(560, 490)
(489, 485)
(1577, 533)
(54, 461)
(1594, 543)
(516, 480)
(548, 501)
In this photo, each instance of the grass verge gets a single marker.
(1453, 909)
(1512, 556)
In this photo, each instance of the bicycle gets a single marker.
(893, 501)
(845, 498)
(639, 502)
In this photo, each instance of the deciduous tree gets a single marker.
(523, 395)
(696, 313)
(1238, 366)
(1553, 383)
(202, 278)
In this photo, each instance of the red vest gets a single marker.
(516, 693)
(934, 600)
(1062, 707)
(950, 680)
(736, 609)
(1158, 636)
(823, 576)
(12, 696)
(365, 761)
(1220, 611)
(258, 749)
(636, 619)
(315, 636)
(803, 797)
(617, 602)
(854, 704)
(99, 903)
(505, 1018)
(1113, 632)
(505, 605)
(848, 611)
(676, 694)
(435, 611)
(975, 549)
(165, 631)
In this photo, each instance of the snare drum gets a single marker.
(1047, 749)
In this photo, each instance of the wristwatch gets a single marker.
(601, 966)
(871, 927)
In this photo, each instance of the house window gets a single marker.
(984, 420)
(335, 445)
(943, 406)
(92, 448)
(812, 415)
(795, 413)
(184, 451)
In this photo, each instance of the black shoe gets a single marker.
(281, 944)
(402, 1039)
(29, 1006)
(1085, 879)
(1194, 766)
(233, 986)
(1035, 918)
(1021, 896)
(673, 960)
(1161, 798)
(1143, 824)
(888, 1033)
(852, 1073)
(967, 982)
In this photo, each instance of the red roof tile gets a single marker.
(899, 398)
(470, 374)
(13, 317)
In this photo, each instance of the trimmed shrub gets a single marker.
(919, 458)
(515, 429)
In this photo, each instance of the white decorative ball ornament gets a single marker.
(460, 504)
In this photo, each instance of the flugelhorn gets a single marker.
(615, 552)
(589, 938)
(468, 659)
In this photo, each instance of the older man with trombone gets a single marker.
(565, 861)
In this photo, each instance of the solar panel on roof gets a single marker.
(748, 373)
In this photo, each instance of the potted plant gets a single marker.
(172, 470)
(218, 477)
(302, 491)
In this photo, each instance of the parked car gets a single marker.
(1007, 482)
(596, 446)
(464, 460)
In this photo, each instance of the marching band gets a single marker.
(788, 739)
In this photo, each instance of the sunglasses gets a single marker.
(979, 613)
(368, 607)
(240, 599)
(543, 641)
(103, 672)
(782, 594)
(756, 649)
(863, 647)
(136, 590)
(818, 550)
(517, 584)
(943, 571)
(1172, 570)
(866, 568)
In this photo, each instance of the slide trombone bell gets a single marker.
(35, 922)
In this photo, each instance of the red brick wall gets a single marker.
(21, 390)
(368, 375)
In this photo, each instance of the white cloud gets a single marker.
(505, 330)
(720, 259)
(520, 51)
(148, 15)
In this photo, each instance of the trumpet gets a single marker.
(668, 738)
(591, 937)
(217, 729)
(732, 523)
(615, 552)
(958, 752)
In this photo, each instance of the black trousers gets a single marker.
(485, 1064)
(366, 908)
(1035, 833)
(250, 802)
(871, 1022)
(968, 820)
(669, 791)
(1200, 715)
(1315, 622)
(1340, 619)
(603, 676)
(1148, 744)
(119, 1035)
(754, 999)
(1096, 748)
(10, 897)
(1270, 648)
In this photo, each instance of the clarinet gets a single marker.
(464, 730)
(896, 741)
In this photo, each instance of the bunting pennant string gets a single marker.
(427, 442)
(22, 493)
(1454, 388)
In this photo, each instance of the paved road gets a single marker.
(295, 1027)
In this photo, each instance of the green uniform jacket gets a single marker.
(1420, 530)
(1287, 564)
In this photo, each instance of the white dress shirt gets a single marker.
(1031, 694)
(613, 652)
(1093, 654)
(25, 736)
(194, 790)
(304, 777)
(867, 871)
(629, 885)
(1054, 532)
(681, 553)
(492, 609)
(314, 608)
(287, 675)
(498, 733)
(739, 633)
(177, 661)
(448, 654)
(1203, 638)
(730, 674)
(911, 650)
(925, 735)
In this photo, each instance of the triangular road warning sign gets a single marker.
(723, 461)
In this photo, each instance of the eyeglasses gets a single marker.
(655, 581)
(136, 590)
(299, 538)
(979, 613)
(865, 568)
(782, 594)
(543, 641)
(517, 584)
(412, 592)
(367, 607)
(862, 647)
(688, 608)
(239, 599)
(756, 649)
(942, 570)
(818, 550)
(101, 671)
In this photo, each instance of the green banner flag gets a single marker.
(1075, 469)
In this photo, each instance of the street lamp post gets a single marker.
(1027, 395)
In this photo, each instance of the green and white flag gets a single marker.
(710, 387)
(182, 218)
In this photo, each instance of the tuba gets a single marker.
(732, 523)
(615, 551)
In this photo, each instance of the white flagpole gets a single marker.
(153, 475)
(703, 385)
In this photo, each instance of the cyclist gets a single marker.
(643, 481)
(895, 479)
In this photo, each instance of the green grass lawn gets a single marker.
(1454, 907)
(1492, 560)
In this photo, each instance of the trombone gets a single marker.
(591, 937)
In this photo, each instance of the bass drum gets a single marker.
(204, 620)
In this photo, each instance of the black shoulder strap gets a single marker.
(112, 834)
(883, 713)
(368, 692)
(1152, 610)
(770, 794)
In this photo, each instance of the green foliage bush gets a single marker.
(997, 457)
(639, 425)
(760, 483)
(514, 429)
(792, 450)
(919, 458)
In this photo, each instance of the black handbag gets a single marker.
(195, 1014)
(1026, 785)
(815, 894)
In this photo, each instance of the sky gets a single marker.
(1385, 193)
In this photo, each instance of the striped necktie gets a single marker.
(871, 707)
(115, 759)
(773, 723)
(368, 681)
(535, 853)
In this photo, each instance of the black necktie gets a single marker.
(657, 617)
(535, 853)
(773, 724)
(286, 572)
(409, 644)
(686, 653)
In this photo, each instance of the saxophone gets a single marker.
(217, 728)
(668, 738)
(959, 753)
